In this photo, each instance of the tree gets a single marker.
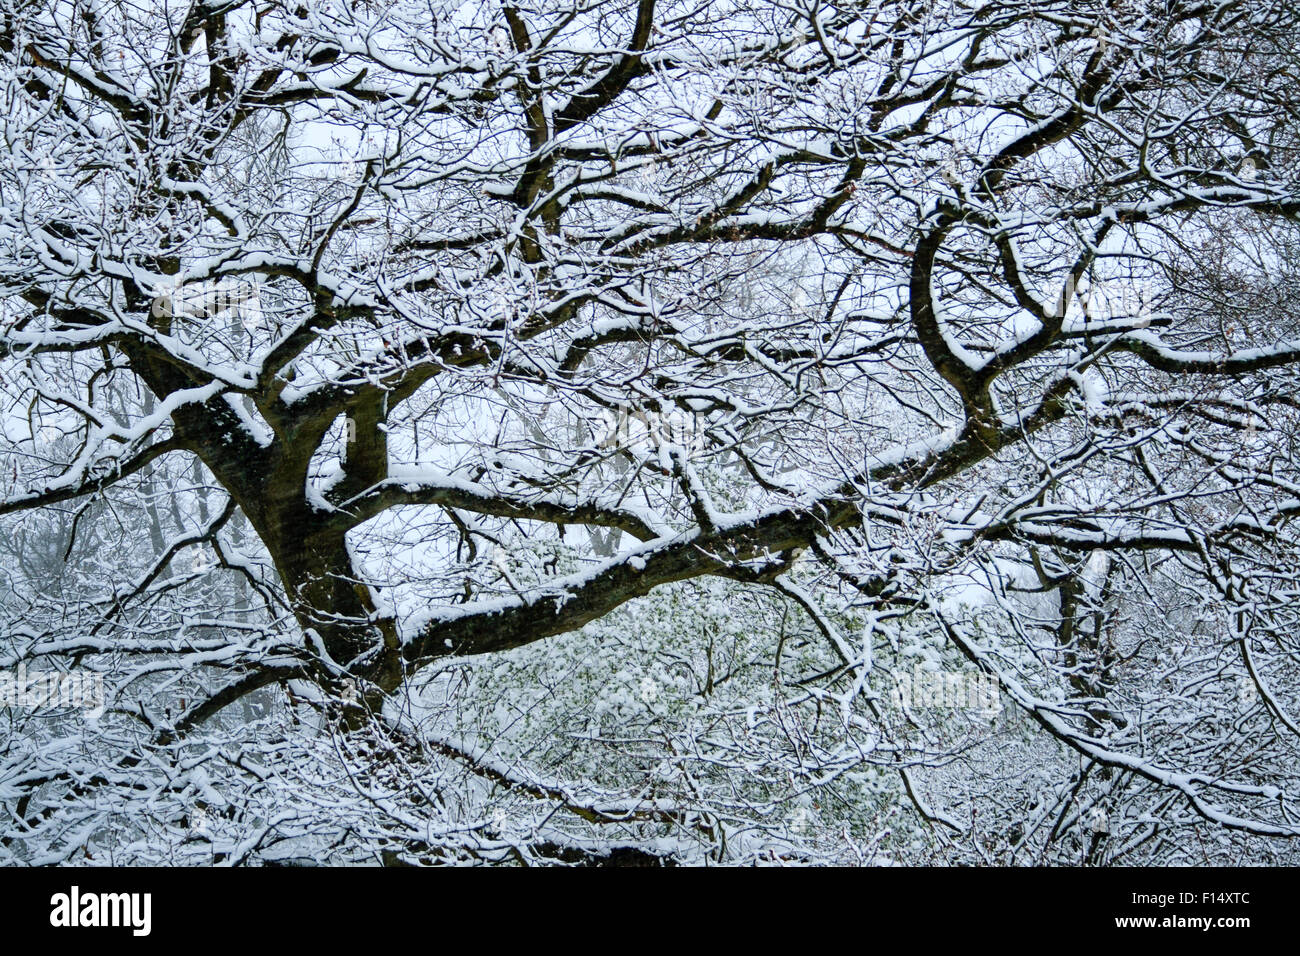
(437, 330)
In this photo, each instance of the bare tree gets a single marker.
(960, 331)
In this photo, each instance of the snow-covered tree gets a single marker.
(571, 430)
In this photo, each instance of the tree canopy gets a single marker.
(543, 431)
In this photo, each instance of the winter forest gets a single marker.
(649, 432)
